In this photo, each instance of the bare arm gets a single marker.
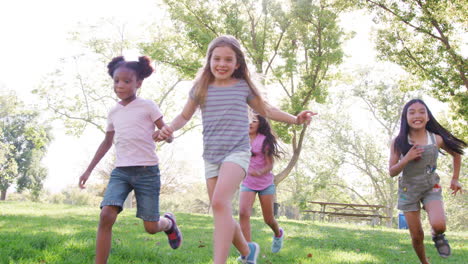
(454, 183)
(268, 167)
(396, 165)
(180, 120)
(105, 145)
(276, 114)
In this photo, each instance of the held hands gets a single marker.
(304, 117)
(455, 186)
(256, 173)
(164, 134)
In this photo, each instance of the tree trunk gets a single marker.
(295, 157)
(3, 195)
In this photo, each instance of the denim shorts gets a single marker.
(146, 182)
(267, 191)
(241, 158)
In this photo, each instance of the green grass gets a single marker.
(48, 233)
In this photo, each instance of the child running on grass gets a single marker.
(224, 91)
(414, 152)
(260, 180)
(131, 123)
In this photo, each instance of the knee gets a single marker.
(107, 217)
(439, 227)
(245, 213)
(219, 205)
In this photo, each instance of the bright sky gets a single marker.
(34, 37)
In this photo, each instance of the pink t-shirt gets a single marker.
(257, 162)
(134, 126)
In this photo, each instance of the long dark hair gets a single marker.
(401, 141)
(270, 145)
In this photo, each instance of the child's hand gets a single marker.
(415, 153)
(304, 117)
(157, 137)
(256, 173)
(455, 186)
(83, 179)
(166, 132)
(169, 139)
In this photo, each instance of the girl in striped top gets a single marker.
(224, 91)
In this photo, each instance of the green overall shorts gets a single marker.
(419, 182)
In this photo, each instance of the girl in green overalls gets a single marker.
(414, 153)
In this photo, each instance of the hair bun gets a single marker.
(112, 65)
(146, 67)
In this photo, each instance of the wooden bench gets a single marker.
(369, 212)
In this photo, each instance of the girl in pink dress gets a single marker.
(260, 180)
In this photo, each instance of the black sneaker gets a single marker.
(442, 245)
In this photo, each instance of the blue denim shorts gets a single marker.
(267, 191)
(146, 182)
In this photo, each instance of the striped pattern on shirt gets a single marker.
(225, 121)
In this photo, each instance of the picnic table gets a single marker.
(344, 210)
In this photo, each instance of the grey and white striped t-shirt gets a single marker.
(225, 121)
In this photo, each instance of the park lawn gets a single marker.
(50, 233)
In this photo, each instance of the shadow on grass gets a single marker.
(70, 238)
(315, 242)
(66, 234)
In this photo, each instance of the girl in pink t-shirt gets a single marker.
(260, 180)
(131, 127)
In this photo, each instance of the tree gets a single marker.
(24, 143)
(348, 154)
(85, 88)
(293, 45)
(425, 37)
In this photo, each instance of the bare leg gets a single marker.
(104, 233)
(246, 201)
(154, 227)
(266, 201)
(226, 231)
(435, 211)
(436, 214)
(417, 234)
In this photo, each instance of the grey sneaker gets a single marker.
(442, 245)
(277, 242)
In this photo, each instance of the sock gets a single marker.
(281, 233)
(169, 225)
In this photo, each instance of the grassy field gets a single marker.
(49, 233)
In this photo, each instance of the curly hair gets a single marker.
(142, 67)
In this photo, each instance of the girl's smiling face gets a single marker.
(223, 63)
(253, 126)
(417, 116)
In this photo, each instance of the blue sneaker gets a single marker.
(277, 242)
(174, 236)
(254, 251)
